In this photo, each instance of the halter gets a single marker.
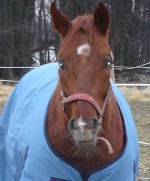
(91, 100)
(88, 98)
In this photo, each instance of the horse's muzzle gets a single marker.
(84, 132)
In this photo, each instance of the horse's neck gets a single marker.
(113, 126)
(113, 130)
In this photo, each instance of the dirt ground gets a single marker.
(139, 100)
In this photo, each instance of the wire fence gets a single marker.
(114, 67)
(131, 68)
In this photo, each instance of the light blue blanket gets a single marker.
(26, 154)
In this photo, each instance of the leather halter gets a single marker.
(88, 98)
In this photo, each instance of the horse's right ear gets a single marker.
(60, 22)
(101, 19)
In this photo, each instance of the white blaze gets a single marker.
(84, 50)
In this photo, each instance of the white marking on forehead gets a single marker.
(84, 50)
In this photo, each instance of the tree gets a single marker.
(26, 32)
(16, 26)
(43, 34)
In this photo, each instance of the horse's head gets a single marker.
(84, 69)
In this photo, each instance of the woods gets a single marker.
(27, 37)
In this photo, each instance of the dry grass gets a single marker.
(134, 93)
(139, 101)
(5, 91)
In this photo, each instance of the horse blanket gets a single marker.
(27, 155)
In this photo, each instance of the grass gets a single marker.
(5, 91)
(139, 101)
(140, 106)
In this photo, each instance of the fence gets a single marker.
(114, 67)
(121, 84)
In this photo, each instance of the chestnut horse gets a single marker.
(71, 123)
(84, 69)
(90, 131)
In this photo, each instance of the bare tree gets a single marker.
(16, 25)
(26, 32)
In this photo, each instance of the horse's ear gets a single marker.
(60, 22)
(101, 19)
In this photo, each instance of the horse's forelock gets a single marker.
(83, 24)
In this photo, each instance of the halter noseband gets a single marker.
(88, 98)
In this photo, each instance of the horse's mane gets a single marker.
(84, 24)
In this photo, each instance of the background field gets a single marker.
(139, 100)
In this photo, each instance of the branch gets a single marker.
(43, 46)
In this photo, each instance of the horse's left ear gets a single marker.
(101, 19)
(60, 22)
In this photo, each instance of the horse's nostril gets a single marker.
(71, 125)
(95, 123)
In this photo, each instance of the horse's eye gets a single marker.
(61, 65)
(108, 63)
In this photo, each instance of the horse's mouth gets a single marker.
(86, 144)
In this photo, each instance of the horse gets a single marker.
(72, 111)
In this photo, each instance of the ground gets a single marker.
(139, 100)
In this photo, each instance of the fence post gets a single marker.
(112, 73)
